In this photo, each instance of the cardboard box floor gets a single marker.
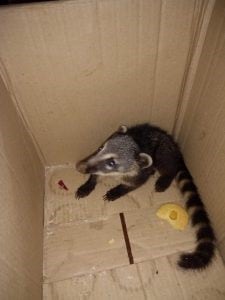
(85, 254)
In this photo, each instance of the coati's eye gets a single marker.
(111, 163)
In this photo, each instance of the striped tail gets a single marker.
(204, 252)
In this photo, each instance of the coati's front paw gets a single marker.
(82, 191)
(112, 195)
(117, 192)
(162, 183)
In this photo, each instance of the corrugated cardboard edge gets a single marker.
(201, 135)
(192, 65)
(22, 191)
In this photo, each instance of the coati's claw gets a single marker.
(111, 195)
(105, 198)
(86, 188)
(162, 183)
(159, 187)
(117, 192)
(82, 192)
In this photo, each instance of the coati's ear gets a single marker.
(122, 129)
(144, 160)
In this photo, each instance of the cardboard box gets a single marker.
(70, 73)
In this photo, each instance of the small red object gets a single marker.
(62, 185)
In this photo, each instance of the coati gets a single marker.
(134, 154)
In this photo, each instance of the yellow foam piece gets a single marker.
(175, 214)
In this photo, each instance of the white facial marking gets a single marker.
(108, 156)
(106, 174)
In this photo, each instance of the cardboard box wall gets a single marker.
(202, 132)
(21, 214)
(76, 68)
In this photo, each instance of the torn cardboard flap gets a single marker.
(73, 249)
(154, 279)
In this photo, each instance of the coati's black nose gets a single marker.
(81, 167)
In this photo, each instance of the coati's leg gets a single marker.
(132, 184)
(167, 172)
(163, 182)
(118, 191)
(86, 188)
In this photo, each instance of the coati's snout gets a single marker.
(81, 167)
(97, 166)
(88, 165)
(119, 155)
